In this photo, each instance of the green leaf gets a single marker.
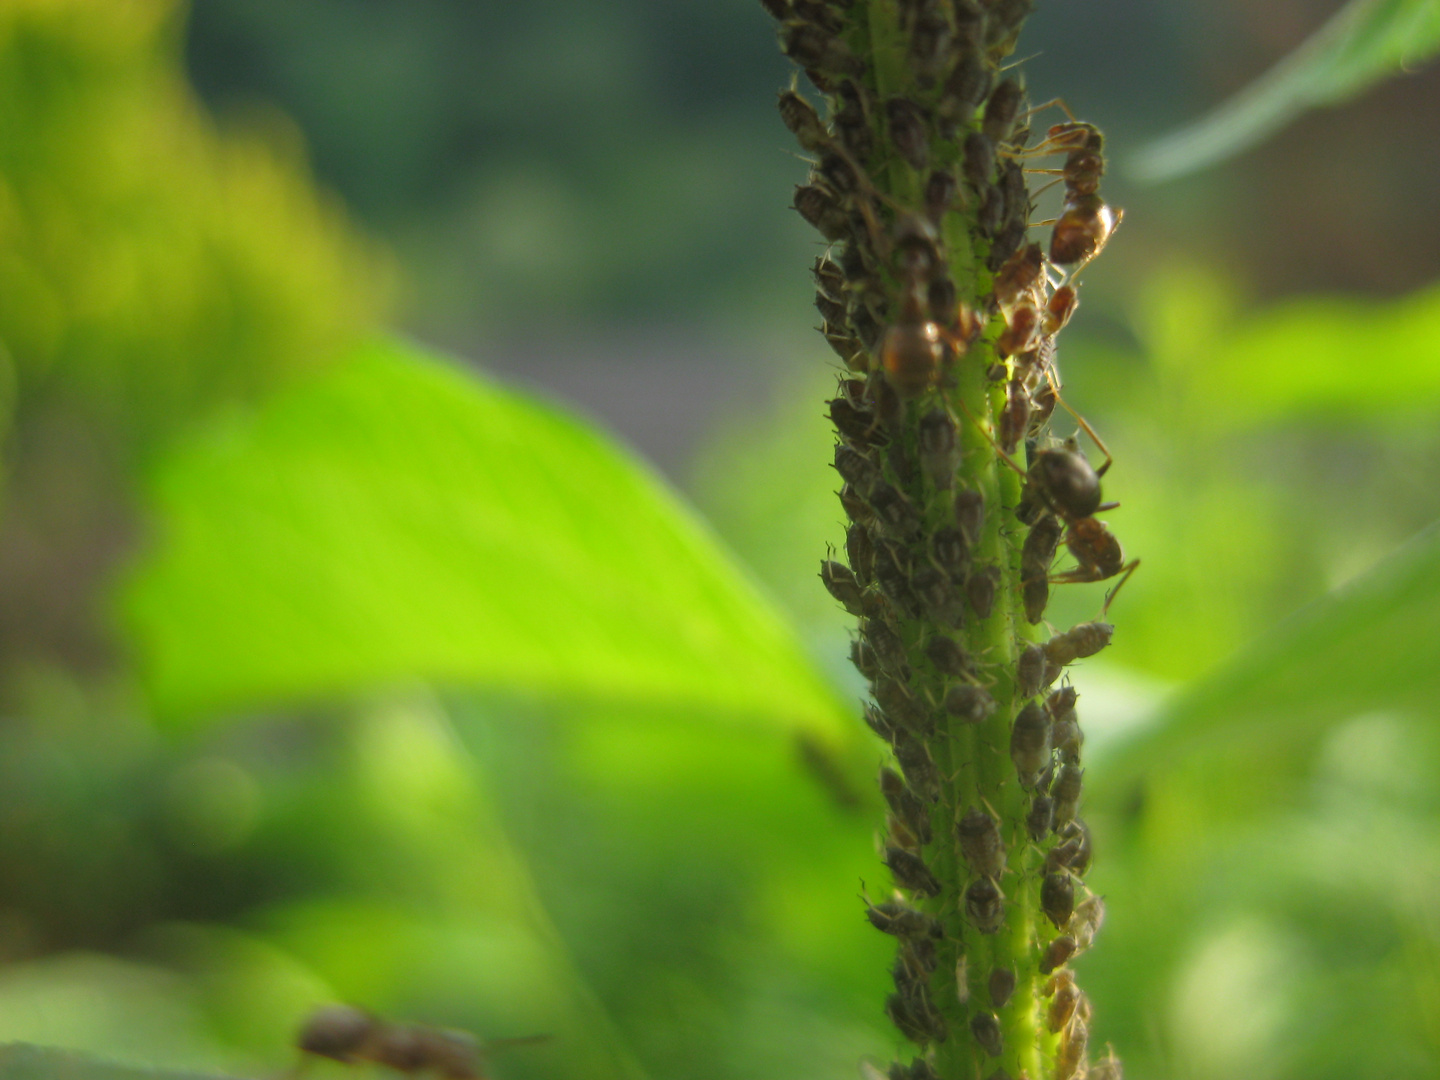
(399, 519)
(20, 1061)
(1364, 42)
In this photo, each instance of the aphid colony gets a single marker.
(928, 548)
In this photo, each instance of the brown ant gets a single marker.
(351, 1036)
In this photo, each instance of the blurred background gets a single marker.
(270, 740)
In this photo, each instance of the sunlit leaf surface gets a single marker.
(401, 519)
(1366, 41)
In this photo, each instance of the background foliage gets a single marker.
(334, 669)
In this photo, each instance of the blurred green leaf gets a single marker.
(19, 1061)
(1366, 41)
(398, 519)
(1276, 822)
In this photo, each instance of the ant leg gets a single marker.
(1085, 424)
(1006, 458)
(1056, 103)
(1110, 596)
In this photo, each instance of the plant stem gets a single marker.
(946, 319)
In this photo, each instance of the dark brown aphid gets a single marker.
(920, 955)
(967, 86)
(1079, 642)
(978, 162)
(1030, 744)
(985, 905)
(1002, 985)
(832, 311)
(900, 706)
(911, 872)
(951, 550)
(940, 192)
(821, 208)
(1001, 110)
(1062, 1005)
(1020, 275)
(350, 1035)
(1057, 954)
(1014, 418)
(980, 843)
(925, 1028)
(841, 584)
(812, 46)
(1041, 818)
(972, 704)
(829, 278)
(1061, 704)
(1057, 898)
(890, 651)
(778, 9)
(901, 920)
(803, 121)
(819, 12)
(857, 426)
(948, 656)
(909, 132)
(1058, 309)
(1030, 670)
(917, 765)
(905, 804)
(1020, 331)
(970, 514)
(863, 657)
(1067, 738)
(938, 448)
(860, 550)
(893, 579)
(895, 512)
(986, 1029)
(938, 596)
(1066, 793)
(1085, 225)
(855, 468)
(980, 588)
(856, 508)
(1035, 559)
(1008, 240)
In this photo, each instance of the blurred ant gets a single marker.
(353, 1036)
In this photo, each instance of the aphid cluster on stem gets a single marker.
(945, 320)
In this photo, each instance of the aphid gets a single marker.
(778, 9)
(821, 208)
(1066, 793)
(951, 550)
(911, 872)
(937, 448)
(986, 1029)
(1061, 704)
(811, 46)
(978, 160)
(1030, 744)
(1107, 1068)
(855, 468)
(856, 508)
(829, 278)
(1001, 109)
(1057, 954)
(939, 597)
(900, 705)
(800, 117)
(1070, 1057)
(1058, 309)
(860, 550)
(980, 588)
(980, 843)
(899, 919)
(1019, 275)
(892, 579)
(1084, 226)
(947, 655)
(1067, 738)
(893, 510)
(1008, 240)
(1057, 898)
(1014, 416)
(832, 311)
(905, 804)
(924, 1028)
(1019, 333)
(985, 905)
(972, 704)
(841, 584)
(967, 86)
(909, 132)
(1040, 818)
(349, 1035)
(863, 657)
(1062, 1005)
(820, 13)
(857, 426)
(917, 765)
(1030, 670)
(1035, 558)
(890, 651)
(1089, 917)
(1079, 642)
(940, 192)
(969, 513)
(1002, 985)
(849, 348)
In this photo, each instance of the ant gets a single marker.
(351, 1036)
